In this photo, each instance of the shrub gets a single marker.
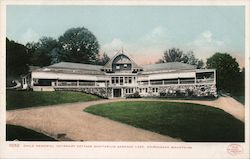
(134, 95)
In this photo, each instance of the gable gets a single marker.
(121, 59)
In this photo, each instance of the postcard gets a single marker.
(124, 79)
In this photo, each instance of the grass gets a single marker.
(24, 99)
(189, 122)
(23, 134)
(185, 98)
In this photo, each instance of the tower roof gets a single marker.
(122, 61)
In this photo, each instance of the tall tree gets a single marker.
(173, 55)
(241, 83)
(17, 59)
(103, 59)
(177, 55)
(44, 52)
(227, 70)
(78, 45)
(189, 58)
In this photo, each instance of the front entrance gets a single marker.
(117, 92)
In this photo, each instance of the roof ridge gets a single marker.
(74, 63)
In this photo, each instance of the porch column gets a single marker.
(214, 76)
(112, 93)
(106, 88)
(77, 83)
(178, 81)
(121, 92)
(195, 79)
(57, 82)
(31, 81)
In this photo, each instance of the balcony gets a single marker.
(208, 80)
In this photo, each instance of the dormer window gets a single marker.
(125, 65)
(117, 67)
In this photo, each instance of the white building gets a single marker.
(121, 76)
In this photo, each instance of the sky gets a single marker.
(144, 32)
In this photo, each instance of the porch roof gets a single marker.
(168, 66)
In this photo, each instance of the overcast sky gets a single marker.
(143, 31)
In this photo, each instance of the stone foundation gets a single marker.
(163, 91)
(183, 90)
(102, 92)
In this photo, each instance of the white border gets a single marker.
(199, 150)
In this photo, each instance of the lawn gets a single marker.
(189, 122)
(23, 134)
(23, 99)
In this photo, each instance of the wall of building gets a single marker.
(179, 90)
(53, 75)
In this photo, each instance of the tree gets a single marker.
(104, 59)
(177, 55)
(227, 71)
(241, 83)
(189, 58)
(17, 59)
(44, 52)
(78, 45)
(173, 55)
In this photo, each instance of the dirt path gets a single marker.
(70, 119)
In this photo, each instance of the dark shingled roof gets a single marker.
(78, 68)
(73, 68)
(168, 66)
(70, 65)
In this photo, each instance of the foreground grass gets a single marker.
(189, 122)
(23, 134)
(23, 99)
(184, 98)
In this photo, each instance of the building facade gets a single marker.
(121, 77)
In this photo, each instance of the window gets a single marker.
(155, 90)
(125, 65)
(113, 80)
(129, 90)
(146, 90)
(121, 80)
(130, 80)
(126, 79)
(117, 80)
(117, 67)
(140, 90)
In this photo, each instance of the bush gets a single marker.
(163, 94)
(190, 93)
(134, 95)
